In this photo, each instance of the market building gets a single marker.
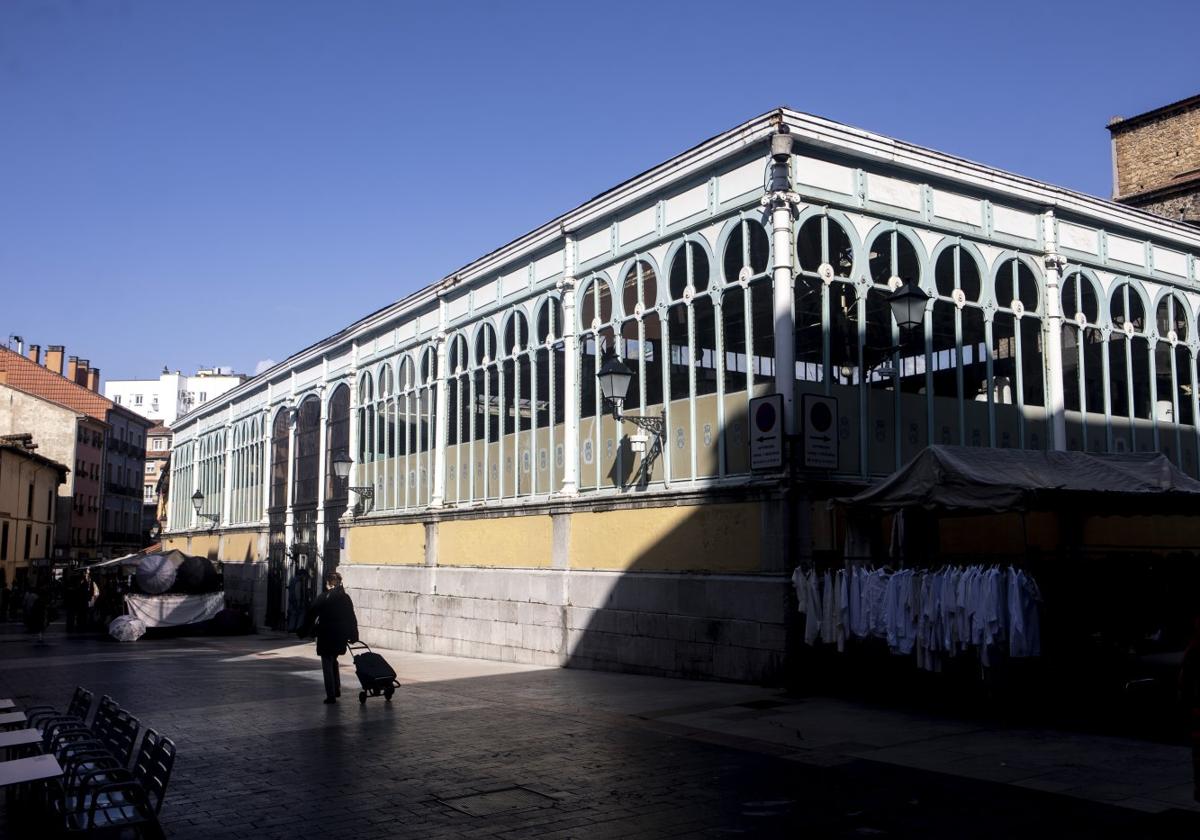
(497, 506)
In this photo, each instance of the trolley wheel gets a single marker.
(387, 694)
(362, 697)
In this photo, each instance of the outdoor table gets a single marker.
(19, 738)
(15, 774)
(23, 770)
(12, 719)
(6, 704)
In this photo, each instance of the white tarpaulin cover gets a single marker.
(971, 478)
(174, 610)
(126, 628)
(155, 573)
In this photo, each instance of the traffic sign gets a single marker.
(766, 432)
(820, 431)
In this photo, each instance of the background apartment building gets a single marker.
(158, 455)
(172, 394)
(28, 488)
(119, 479)
(70, 437)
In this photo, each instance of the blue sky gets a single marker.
(217, 182)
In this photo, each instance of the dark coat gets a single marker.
(332, 613)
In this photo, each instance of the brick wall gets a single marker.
(1153, 153)
(1181, 207)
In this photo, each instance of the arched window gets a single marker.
(548, 397)
(337, 443)
(958, 369)
(280, 454)
(1019, 389)
(1129, 371)
(486, 402)
(1173, 381)
(517, 409)
(1083, 364)
(597, 435)
(891, 254)
(458, 461)
(383, 435)
(747, 250)
(420, 421)
(745, 260)
(824, 253)
(306, 472)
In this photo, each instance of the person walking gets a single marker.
(36, 609)
(332, 617)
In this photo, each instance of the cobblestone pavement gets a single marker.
(486, 750)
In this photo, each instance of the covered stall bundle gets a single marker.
(1055, 581)
(964, 478)
(167, 589)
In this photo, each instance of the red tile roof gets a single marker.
(21, 373)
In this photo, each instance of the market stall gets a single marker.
(1101, 553)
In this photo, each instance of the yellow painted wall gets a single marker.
(179, 543)
(204, 546)
(387, 545)
(714, 538)
(240, 548)
(510, 542)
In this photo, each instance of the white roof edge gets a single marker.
(678, 167)
(852, 141)
(806, 127)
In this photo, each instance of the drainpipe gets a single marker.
(567, 287)
(782, 200)
(1055, 398)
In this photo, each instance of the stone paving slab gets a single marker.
(603, 755)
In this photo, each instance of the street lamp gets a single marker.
(615, 376)
(197, 503)
(908, 305)
(341, 468)
(907, 301)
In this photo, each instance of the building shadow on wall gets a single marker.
(696, 586)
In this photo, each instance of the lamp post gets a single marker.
(615, 376)
(907, 301)
(341, 468)
(197, 503)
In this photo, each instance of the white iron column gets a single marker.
(441, 410)
(227, 487)
(354, 429)
(322, 460)
(195, 516)
(1055, 399)
(265, 471)
(289, 516)
(570, 468)
(782, 201)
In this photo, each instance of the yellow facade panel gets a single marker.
(511, 542)
(711, 538)
(240, 548)
(387, 545)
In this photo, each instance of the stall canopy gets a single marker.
(977, 479)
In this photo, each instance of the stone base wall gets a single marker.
(246, 586)
(728, 627)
